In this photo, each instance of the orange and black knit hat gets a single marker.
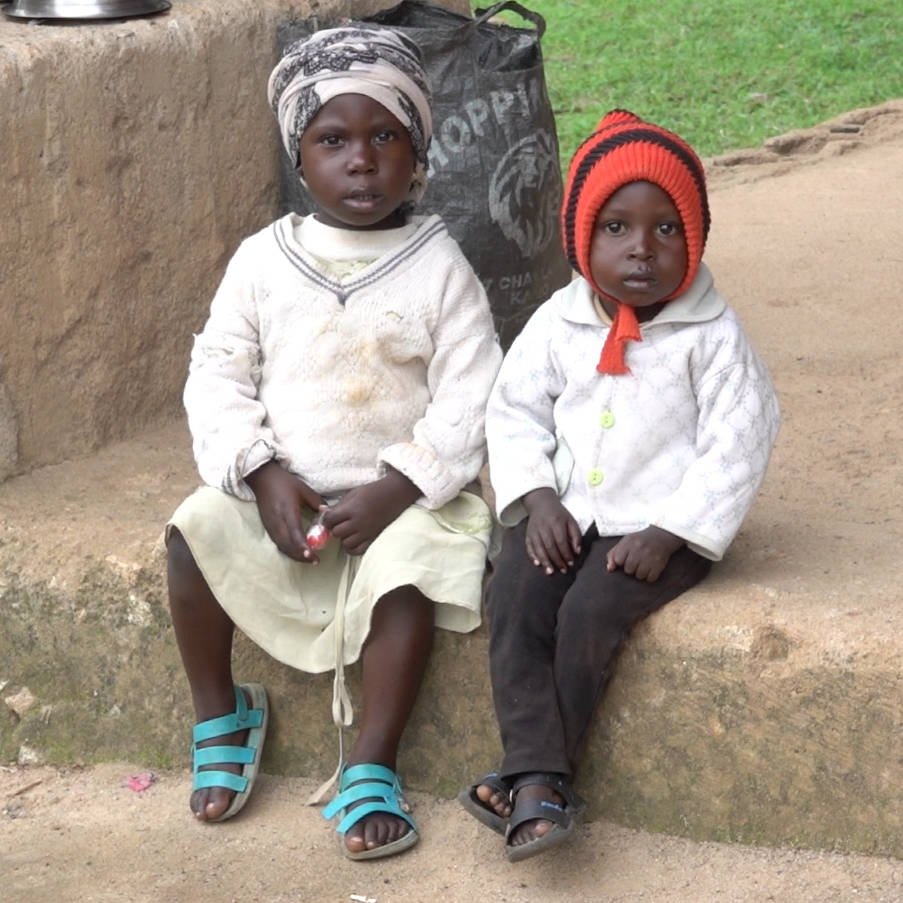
(625, 149)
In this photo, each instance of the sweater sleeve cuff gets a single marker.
(513, 514)
(696, 542)
(254, 458)
(425, 471)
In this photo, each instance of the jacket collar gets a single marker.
(700, 302)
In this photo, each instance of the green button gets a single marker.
(595, 477)
(607, 420)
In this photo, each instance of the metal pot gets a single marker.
(84, 9)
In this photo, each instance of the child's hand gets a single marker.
(553, 537)
(364, 512)
(280, 497)
(644, 554)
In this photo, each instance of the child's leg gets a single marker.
(523, 607)
(594, 619)
(523, 604)
(204, 635)
(393, 661)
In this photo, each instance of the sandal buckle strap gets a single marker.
(236, 782)
(224, 755)
(241, 719)
(353, 773)
(379, 786)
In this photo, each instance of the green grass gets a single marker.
(724, 74)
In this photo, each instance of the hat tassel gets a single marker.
(624, 329)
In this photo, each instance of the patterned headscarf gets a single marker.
(623, 149)
(377, 62)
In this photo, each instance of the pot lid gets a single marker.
(83, 9)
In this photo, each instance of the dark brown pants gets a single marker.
(554, 639)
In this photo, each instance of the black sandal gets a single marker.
(564, 816)
(481, 811)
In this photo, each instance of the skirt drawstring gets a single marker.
(342, 710)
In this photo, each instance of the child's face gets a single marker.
(638, 253)
(358, 162)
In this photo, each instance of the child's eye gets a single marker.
(385, 136)
(669, 229)
(614, 227)
(330, 140)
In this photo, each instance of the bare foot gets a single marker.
(498, 802)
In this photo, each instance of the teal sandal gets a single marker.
(381, 788)
(254, 721)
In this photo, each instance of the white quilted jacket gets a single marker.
(682, 442)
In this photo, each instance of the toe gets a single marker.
(196, 803)
(210, 804)
(494, 800)
(218, 802)
(354, 840)
(397, 830)
(501, 804)
(373, 835)
(530, 830)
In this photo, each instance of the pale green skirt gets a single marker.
(290, 609)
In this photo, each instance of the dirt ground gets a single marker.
(82, 834)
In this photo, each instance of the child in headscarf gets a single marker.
(629, 430)
(342, 378)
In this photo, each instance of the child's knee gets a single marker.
(180, 562)
(407, 603)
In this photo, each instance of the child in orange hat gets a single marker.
(629, 430)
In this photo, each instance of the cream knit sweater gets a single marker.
(338, 377)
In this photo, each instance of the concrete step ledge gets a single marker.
(759, 713)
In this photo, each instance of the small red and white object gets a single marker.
(317, 534)
(140, 782)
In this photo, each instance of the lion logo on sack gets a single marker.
(523, 193)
